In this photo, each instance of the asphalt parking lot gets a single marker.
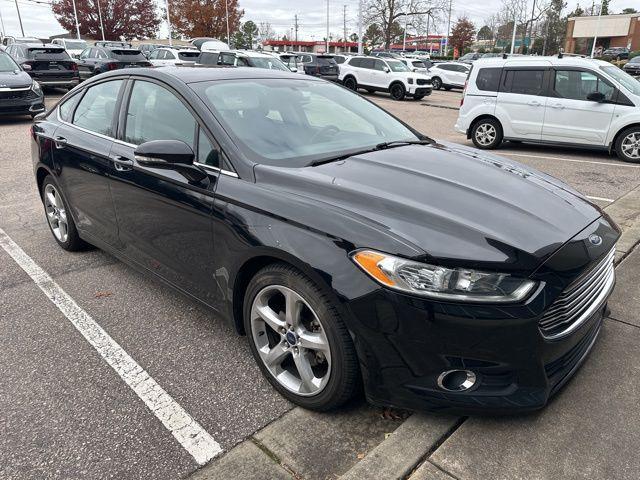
(66, 412)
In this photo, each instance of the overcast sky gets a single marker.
(39, 21)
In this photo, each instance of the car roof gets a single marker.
(193, 75)
(42, 45)
(565, 60)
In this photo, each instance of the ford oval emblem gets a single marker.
(595, 239)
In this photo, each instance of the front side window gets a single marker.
(577, 85)
(101, 54)
(623, 78)
(379, 65)
(85, 53)
(524, 82)
(154, 55)
(154, 113)
(489, 79)
(96, 109)
(292, 123)
(227, 59)
(355, 62)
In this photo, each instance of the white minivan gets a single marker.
(559, 100)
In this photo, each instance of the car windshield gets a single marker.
(75, 44)
(7, 64)
(292, 123)
(418, 64)
(397, 66)
(270, 63)
(623, 78)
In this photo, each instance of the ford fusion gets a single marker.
(355, 253)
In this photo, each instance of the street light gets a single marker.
(100, 16)
(75, 14)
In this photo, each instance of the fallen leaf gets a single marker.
(361, 456)
(103, 294)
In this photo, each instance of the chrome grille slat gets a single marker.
(579, 300)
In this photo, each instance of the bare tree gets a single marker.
(265, 32)
(389, 13)
(518, 11)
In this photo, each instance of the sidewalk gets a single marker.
(589, 430)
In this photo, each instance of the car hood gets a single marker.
(15, 79)
(455, 204)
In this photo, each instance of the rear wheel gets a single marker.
(59, 218)
(436, 83)
(350, 83)
(447, 88)
(299, 340)
(397, 91)
(628, 145)
(486, 133)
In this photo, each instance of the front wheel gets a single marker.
(487, 133)
(397, 91)
(436, 83)
(299, 340)
(628, 145)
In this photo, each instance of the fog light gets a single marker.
(456, 380)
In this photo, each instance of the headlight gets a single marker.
(36, 88)
(437, 282)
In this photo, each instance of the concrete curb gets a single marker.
(405, 448)
(625, 211)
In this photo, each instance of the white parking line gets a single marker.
(623, 165)
(610, 200)
(188, 432)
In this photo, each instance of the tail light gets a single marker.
(464, 91)
(112, 66)
(73, 66)
(27, 66)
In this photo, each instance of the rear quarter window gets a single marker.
(488, 79)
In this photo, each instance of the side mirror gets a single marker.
(596, 97)
(163, 153)
(386, 69)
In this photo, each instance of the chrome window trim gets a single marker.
(132, 145)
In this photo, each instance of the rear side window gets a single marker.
(357, 62)
(188, 55)
(66, 109)
(208, 58)
(325, 61)
(488, 79)
(95, 110)
(524, 82)
(367, 63)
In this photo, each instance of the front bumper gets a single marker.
(22, 106)
(45, 81)
(406, 343)
(419, 90)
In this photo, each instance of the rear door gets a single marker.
(521, 101)
(379, 76)
(164, 218)
(570, 116)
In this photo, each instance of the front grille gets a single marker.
(580, 300)
(18, 95)
(423, 81)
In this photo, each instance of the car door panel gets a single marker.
(521, 103)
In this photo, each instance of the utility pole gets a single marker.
(344, 18)
(102, 26)
(513, 37)
(428, 42)
(533, 9)
(404, 34)
(4, 32)
(296, 25)
(360, 27)
(446, 48)
(169, 24)
(327, 48)
(75, 14)
(595, 39)
(226, 6)
(20, 18)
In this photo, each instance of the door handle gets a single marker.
(60, 142)
(558, 106)
(535, 103)
(122, 164)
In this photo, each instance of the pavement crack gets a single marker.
(622, 321)
(443, 470)
(275, 458)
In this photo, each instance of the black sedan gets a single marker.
(353, 251)
(19, 93)
(632, 67)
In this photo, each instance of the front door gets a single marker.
(82, 146)
(164, 218)
(570, 116)
(521, 103)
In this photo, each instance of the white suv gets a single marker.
(384, 75)
(563, 100)
(449, 75)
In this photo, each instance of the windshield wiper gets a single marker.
(380, 146)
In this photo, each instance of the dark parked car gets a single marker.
(349, 248)
(208, 58)
(616, 53)
(19, 93)
(50, 65)
(318, 65)
(107, 56)
(632, 67)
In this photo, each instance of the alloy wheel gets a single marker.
(56, 213)
(631, 145)
(290, 340)
(485, 134)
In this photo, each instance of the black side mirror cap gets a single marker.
(596, 97)
(162, 153)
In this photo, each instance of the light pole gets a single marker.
(595, 39)
(327, 48)
(513, 37)
(2, 25)
(226, 7)
(102, 25)
(446, 48)
(20, 18)
(75, 14)
(169, 24)
(360, 27)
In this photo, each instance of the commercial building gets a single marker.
(312, 46)
(610, 30)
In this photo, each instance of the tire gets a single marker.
(371, 90)
(336, 375)
(627, 145)
(486, 133)
(447, 88)
(397, 91)
(436, 83)
(58, 214)
(419, 97)
(350, 83)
